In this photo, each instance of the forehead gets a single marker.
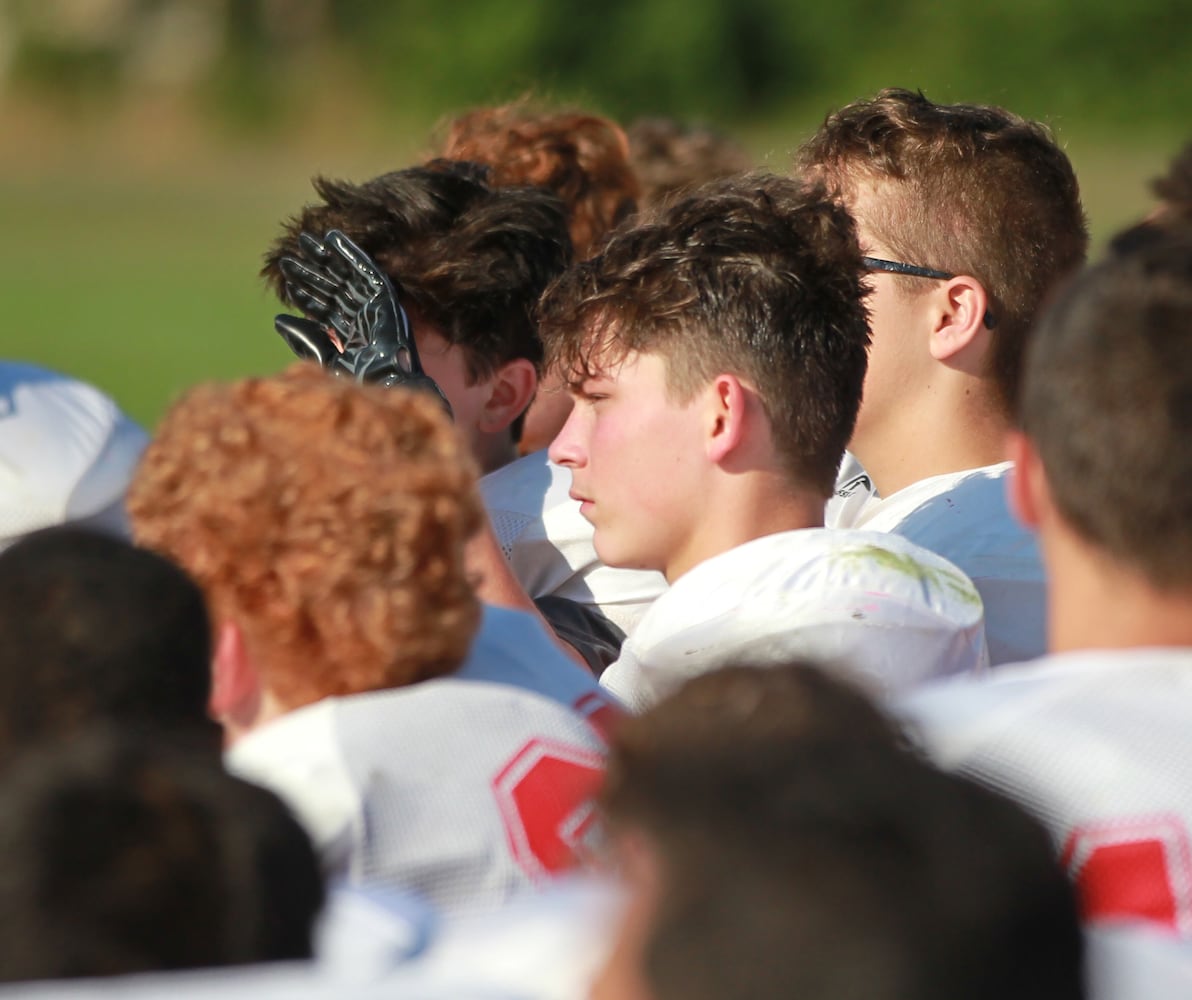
(597, 350)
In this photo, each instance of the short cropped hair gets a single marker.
(93, 629)
(124, 855)
(583, 158)
(970, 189)
(758, 276)
(469, 258)
(327, 518)
(1107, 401)
(671, 157)
(804, 851)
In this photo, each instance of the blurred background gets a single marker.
(149, 148)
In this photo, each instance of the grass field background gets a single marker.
(134, 265)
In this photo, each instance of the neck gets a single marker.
(492, 451)
(1094, 602)
(743, 508)
(955, 426)
(239, 724)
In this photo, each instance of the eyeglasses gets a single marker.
(915, 271)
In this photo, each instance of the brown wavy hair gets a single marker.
(328, 519)
(672, 157)
(757, 275)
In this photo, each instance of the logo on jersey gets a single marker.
(1140, 868)
(546, 798)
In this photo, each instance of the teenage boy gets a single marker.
(1095, 737)
(469, 261)
(716, 354)
(968, 215)
(326, 523)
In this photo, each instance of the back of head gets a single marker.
(128, 856)
(93, 629)
(802, 851)
(582, 158)
(671, 157)
(964, 189)
(328, 519)
(1174, 188)
(1107, 401)
(1174, 191)
(467, 258)
(758, 276)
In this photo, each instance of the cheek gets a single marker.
(891, 359)
(653, 456)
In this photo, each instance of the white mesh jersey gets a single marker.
(548, 945)
(512, 647)
(548, 542)
(966, 518)
(1098, 745)
(1135, 962)
(886, 611)
(461, 792)
(66, 453)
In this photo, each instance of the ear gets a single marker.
(961, 319)
(511, 391)
(235, 682)
(727, 403)
(1027, 489)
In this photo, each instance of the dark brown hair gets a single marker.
(758, 276)
(802, 850)
(1107, 401)
(671, 157)
(471, 259)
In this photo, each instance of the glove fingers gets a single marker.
(309, 304)
(306, 338)
(360, 263)
(299, 274)
(313, 247)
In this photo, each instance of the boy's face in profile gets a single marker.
(636, 457)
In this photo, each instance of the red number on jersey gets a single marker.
(1140, 869)
(545, 795)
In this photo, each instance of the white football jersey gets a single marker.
(548, 542)
(548, 945)
(512, 647)
(1137, 962)
(888, 612)
(1098, 745)
(966, 518)
(545, 945)
(461, 792)
(66, 453)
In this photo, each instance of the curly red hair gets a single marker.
(582, 158)
(327, 519)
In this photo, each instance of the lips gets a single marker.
(585, 505)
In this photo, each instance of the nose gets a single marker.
(567, 449)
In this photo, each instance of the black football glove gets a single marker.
(339, 287)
